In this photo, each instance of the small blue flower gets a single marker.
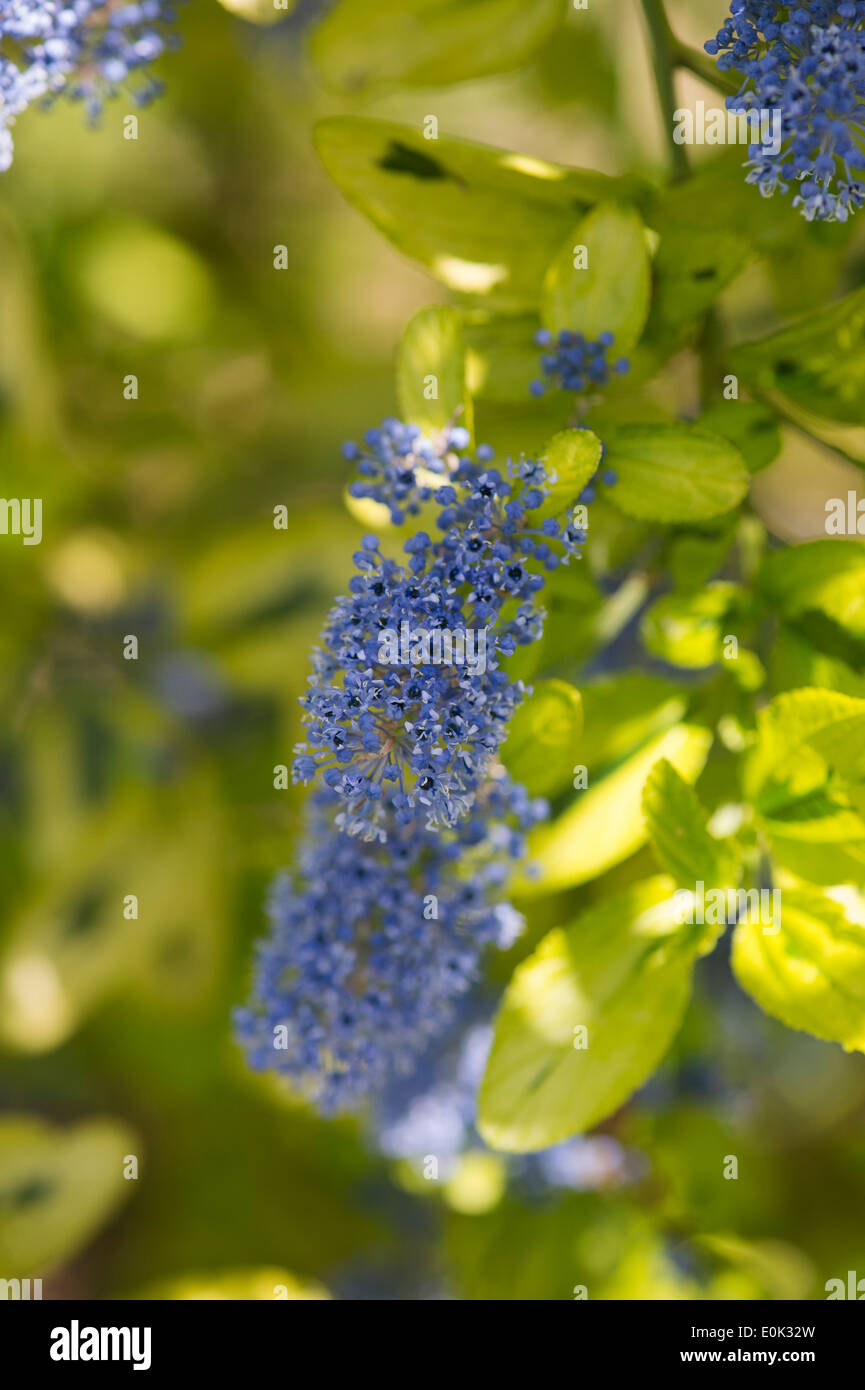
(575, 363)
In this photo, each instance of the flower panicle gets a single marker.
(373, 945)
(392, 727)
(805, 64)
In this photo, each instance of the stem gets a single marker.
(663, 47)
(710, 358)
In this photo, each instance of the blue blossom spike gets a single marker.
(372, 946)
(408, 703)
(805, 66)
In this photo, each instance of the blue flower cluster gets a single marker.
(397, 735)
(575, 363)
(414, 825)
(805, 62)
(86, 49)
(372, 946)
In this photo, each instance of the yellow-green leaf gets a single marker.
(586, 1019)
(674, 473)
(544, 738)
(573, 456)
(605, 824)
(431, 371)
(57, 1188)
(481, 220)
(678, 829)
(600, 281)
(808, 968)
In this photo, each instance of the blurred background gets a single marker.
(152, 779)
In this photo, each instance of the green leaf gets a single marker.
(695, 556)
(251, 571)
(689, 629)
(624, 711)
(501, 425)
(622, 972)
(822, 576)
(825, 864)
(544, 738)
(605, 824)
(801, 735)
(814, 371)
(574, 612)
(573, 456)
(428, 43)
(678, 830)
(692, 267)
(716, 199)
(804, 777)
(432, 347)
(503, 359)
(578, 68)
(752, 427)
(610, 294)
(481, 220)
(71, 946)
(808, 969)
(674, 473)
(57, 1188)
(797, 662)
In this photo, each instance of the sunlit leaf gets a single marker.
(605, 824)
(677, 825)
(431, 371)
(573, 457)
(544, 738)
(481, 220)
(622, 973)
(238, 1285)
(806, 965)
(820, 576)
(689, 629)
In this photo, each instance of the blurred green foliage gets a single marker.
(154, 777)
